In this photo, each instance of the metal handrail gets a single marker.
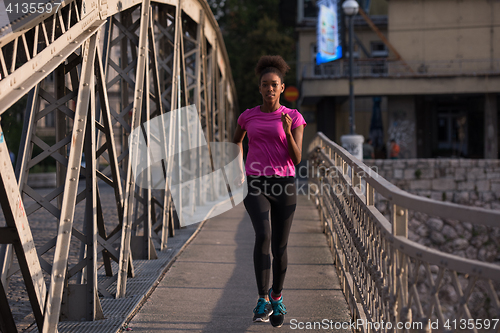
(376, 261)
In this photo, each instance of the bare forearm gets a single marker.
(240, 158)
(293, 150)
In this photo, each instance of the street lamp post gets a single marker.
(352, 142)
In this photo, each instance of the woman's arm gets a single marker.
(295, 144)
(293, 138)
(238, 137)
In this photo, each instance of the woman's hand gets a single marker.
(239, 179)
(286, 121)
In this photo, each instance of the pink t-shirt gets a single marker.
(267, 144)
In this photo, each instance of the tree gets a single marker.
(252, 29)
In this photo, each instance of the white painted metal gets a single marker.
(33, 48)
(378, 266)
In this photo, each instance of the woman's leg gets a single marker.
(282, 211)
(258, 206)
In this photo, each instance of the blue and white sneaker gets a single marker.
(279, 311)
(262, 311)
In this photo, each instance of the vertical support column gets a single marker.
(490, 126)
(399, 269)
(133, 154)
(23, 156)
(22, 239)
(59, 88)
(58, 274)
(93, 308)
(370, 195)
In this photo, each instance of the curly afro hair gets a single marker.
(271, 64)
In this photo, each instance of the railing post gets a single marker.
(370, 195)
(399, 265)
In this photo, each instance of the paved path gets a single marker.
(211, 287)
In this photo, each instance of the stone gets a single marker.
(479, 240)
(460, 174)
(495, 205)
(427, 173)
(487, 253)
(465, 163)
(495, 188)
(492, 175)
(437, 238)
(438, 196)
(446, 247)
(450, 173)
(460, 244)
(453, 223)
(486, 197)
(435, 224)
(425, 242)
(420, 184)
(480, 229)
(482, 186)
(398, 164)
(461, 197)
(467, 225)
(413, 224)
(476, 174)
(409, 174)
(473, 196)
(420, 216)
(447, 293)
(471, 252)
(495, 235)
(466, 185)
(449, 232)
(411, 162)
(422, 231)
(398, 173)
(443, 184)
(413, 236)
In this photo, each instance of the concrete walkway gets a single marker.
(211, 287)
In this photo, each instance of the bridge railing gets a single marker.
(390, 282)
(97, 70)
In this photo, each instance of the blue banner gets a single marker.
(329, 46)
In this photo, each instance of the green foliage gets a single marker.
(12, 125)
(418, 173)
(252, 29)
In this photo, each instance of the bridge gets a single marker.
(100, 69)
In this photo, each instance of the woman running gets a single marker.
(274, 147)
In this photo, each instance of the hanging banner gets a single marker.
(329, 47)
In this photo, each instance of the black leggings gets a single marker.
(271, 203)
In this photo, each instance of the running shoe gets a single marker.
(262, 311)
(279, 311)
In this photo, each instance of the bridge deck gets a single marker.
(211, 287)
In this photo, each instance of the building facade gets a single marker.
(426, 73)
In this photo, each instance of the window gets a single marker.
(378, 50)
(310, 9)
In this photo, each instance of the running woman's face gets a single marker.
(271, 88)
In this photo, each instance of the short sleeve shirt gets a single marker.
(267, 144)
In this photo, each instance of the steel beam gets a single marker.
(180, 61)
(58, 275)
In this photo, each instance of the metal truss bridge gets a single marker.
(98, 69)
